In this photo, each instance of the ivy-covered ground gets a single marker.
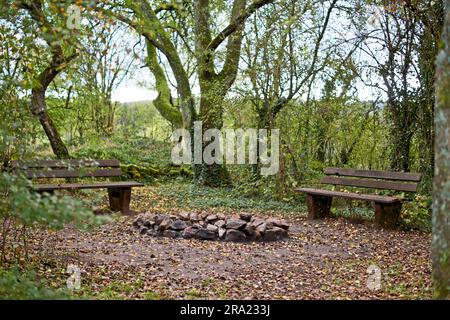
(327, 259)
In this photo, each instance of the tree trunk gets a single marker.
(401, 137)
(39, 109)
(211, 110)
(441, 192)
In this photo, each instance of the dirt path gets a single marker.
(322, 260)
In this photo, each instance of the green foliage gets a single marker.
(186, 195)
(28, 207)
(17, 285)
(416, 214)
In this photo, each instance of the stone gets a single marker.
(143, 230)
(198, 225)
(222, 232)
(148, 223)
(261, 228)
(255, 222)
(170, 234)
(246, 216)
(278, 223)
(160, 217)
(235, 235)
(178, 225)
(274, 234)
(220, 224)
(203, 215)
(184, 215)
(211, 218)
(152, 232)
(165, 224)
(189, 232)
(205, 234)
(138, 222)
(212, 228)
(221, 216)
(194, 217)
(249, 230)
(236, 224)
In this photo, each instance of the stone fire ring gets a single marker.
(191, 225)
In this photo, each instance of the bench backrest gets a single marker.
(389, 180)
(71, 168)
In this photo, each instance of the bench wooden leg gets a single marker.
(119, 199)
(387, 214)
(318, 206)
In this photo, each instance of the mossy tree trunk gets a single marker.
(42, 80)
(213, 85)
(441, 190)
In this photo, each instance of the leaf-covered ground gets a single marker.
(326, 259)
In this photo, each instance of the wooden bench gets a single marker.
(387, 208)
(119, 192)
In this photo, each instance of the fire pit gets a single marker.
(203, 226)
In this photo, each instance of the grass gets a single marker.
(185, 194)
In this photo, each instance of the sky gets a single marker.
(130, 92)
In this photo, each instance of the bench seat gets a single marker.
(119, 193)
(387, 208)
(350, 195)
(76, 186)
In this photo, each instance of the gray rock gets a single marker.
(138, 222)
(211, 218)
(246, 216)
(165, 224)
(143, 230)
(189, 232)
(194, 217)
(236, 224)
(274, 234)
(178, 225)
(278, 223)
(148, 223)
(221, 216)
(184, 215)
(212, 228)
(235, 235)
(220, 223)
(170, 234)
(152, 232)
(261, 228)
(249, 230)
(205, 234)
(257, 222)
(160, 217)
(222, 232)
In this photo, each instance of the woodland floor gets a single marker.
(326, 259)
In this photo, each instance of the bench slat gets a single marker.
(388, 175)
(374, 184)
(349, 195)
(59, 173)
(65, 163)
(74, 186)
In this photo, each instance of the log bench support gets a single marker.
(318, 206)
(387, 214)
(119, 199)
